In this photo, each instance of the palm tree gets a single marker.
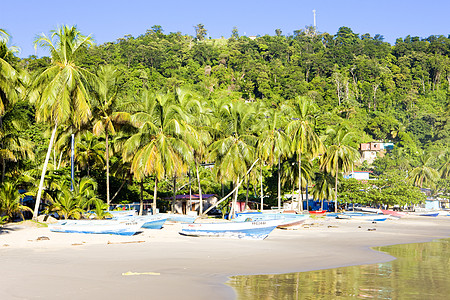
(90, 151)
(60, 92)
(235, 150)
(445, 168)
(273, 142)
(424, 174)
(161, 145)
(339, 156)
(10, 201)
(106, 112)
(301, 130)
(323, 187)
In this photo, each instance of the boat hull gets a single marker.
(257, 230)
(286, 220)
(126, 228)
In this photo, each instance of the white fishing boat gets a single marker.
(257, 230)
(150, 221)
(287, 220)
(119, 227)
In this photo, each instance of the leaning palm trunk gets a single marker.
(200, 212)
(44, 170)
(141, 206)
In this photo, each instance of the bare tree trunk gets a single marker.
(108, 200)
(233, 206)
(300, 202)
(246, 195)
(174, 193)
(200, 190)
(335, 188)
(154, 196)
(141, 206)
(44, 170)
(279, 184)
(262, 190)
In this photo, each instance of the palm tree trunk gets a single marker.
(44, 170)
(141, 200)
(154, 196)
(174, 194)
(279, 183)
(335, 188)
(234, 205)
(107, 169)
(262, 191)
(246, 195)
(200, 212)
(300, 202)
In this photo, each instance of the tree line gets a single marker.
(274, 113)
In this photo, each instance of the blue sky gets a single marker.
(110, 20)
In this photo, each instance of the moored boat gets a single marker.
(257, 230)
(393, 213)
(317, 212)
(119, 227)
(150, 221)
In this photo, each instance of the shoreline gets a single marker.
(77, 266)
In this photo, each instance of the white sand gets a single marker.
(78, 266)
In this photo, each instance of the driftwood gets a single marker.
(129, 242)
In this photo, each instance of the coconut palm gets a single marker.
(60, 91)
(323, 187)
(273, 142)
(424, 174)
(445, 167)
(305, 140)
(161, 145)
(108, 118)
(10, 201)
(234, 152)
(339, 157)
(90, 151)
(10, 80)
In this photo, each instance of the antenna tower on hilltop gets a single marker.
(314, 13)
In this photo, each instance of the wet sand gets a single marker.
(78, 266)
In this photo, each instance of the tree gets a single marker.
(108, 118)
(323, 187)
(423, 174)
(339, 157)
(301, 130)
(200, 32)
(234, 151)
(10, 201)
(161, 146)
(60, 92)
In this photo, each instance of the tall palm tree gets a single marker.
(234, 152)
(60, 92)
(273, 142)
(339, 157)
(305, 140)
(424, 175)
(90, 151)
(108, 118)
(161, 145)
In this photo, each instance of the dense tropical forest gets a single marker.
(163, 114)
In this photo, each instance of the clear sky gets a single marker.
(108, 20)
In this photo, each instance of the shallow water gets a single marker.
(421, 271)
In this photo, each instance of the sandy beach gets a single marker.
(161, 264)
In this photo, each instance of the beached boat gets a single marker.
(427, 214)
(359, 216)
(150, 221)
(287, 220)
(119, 227)
(180, 218)
(257, 230)
(318, 212)
(393, 213)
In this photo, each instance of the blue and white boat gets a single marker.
(257, 230)
(180, 218)
(287, 220)
(359, 216)
(119, 227)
